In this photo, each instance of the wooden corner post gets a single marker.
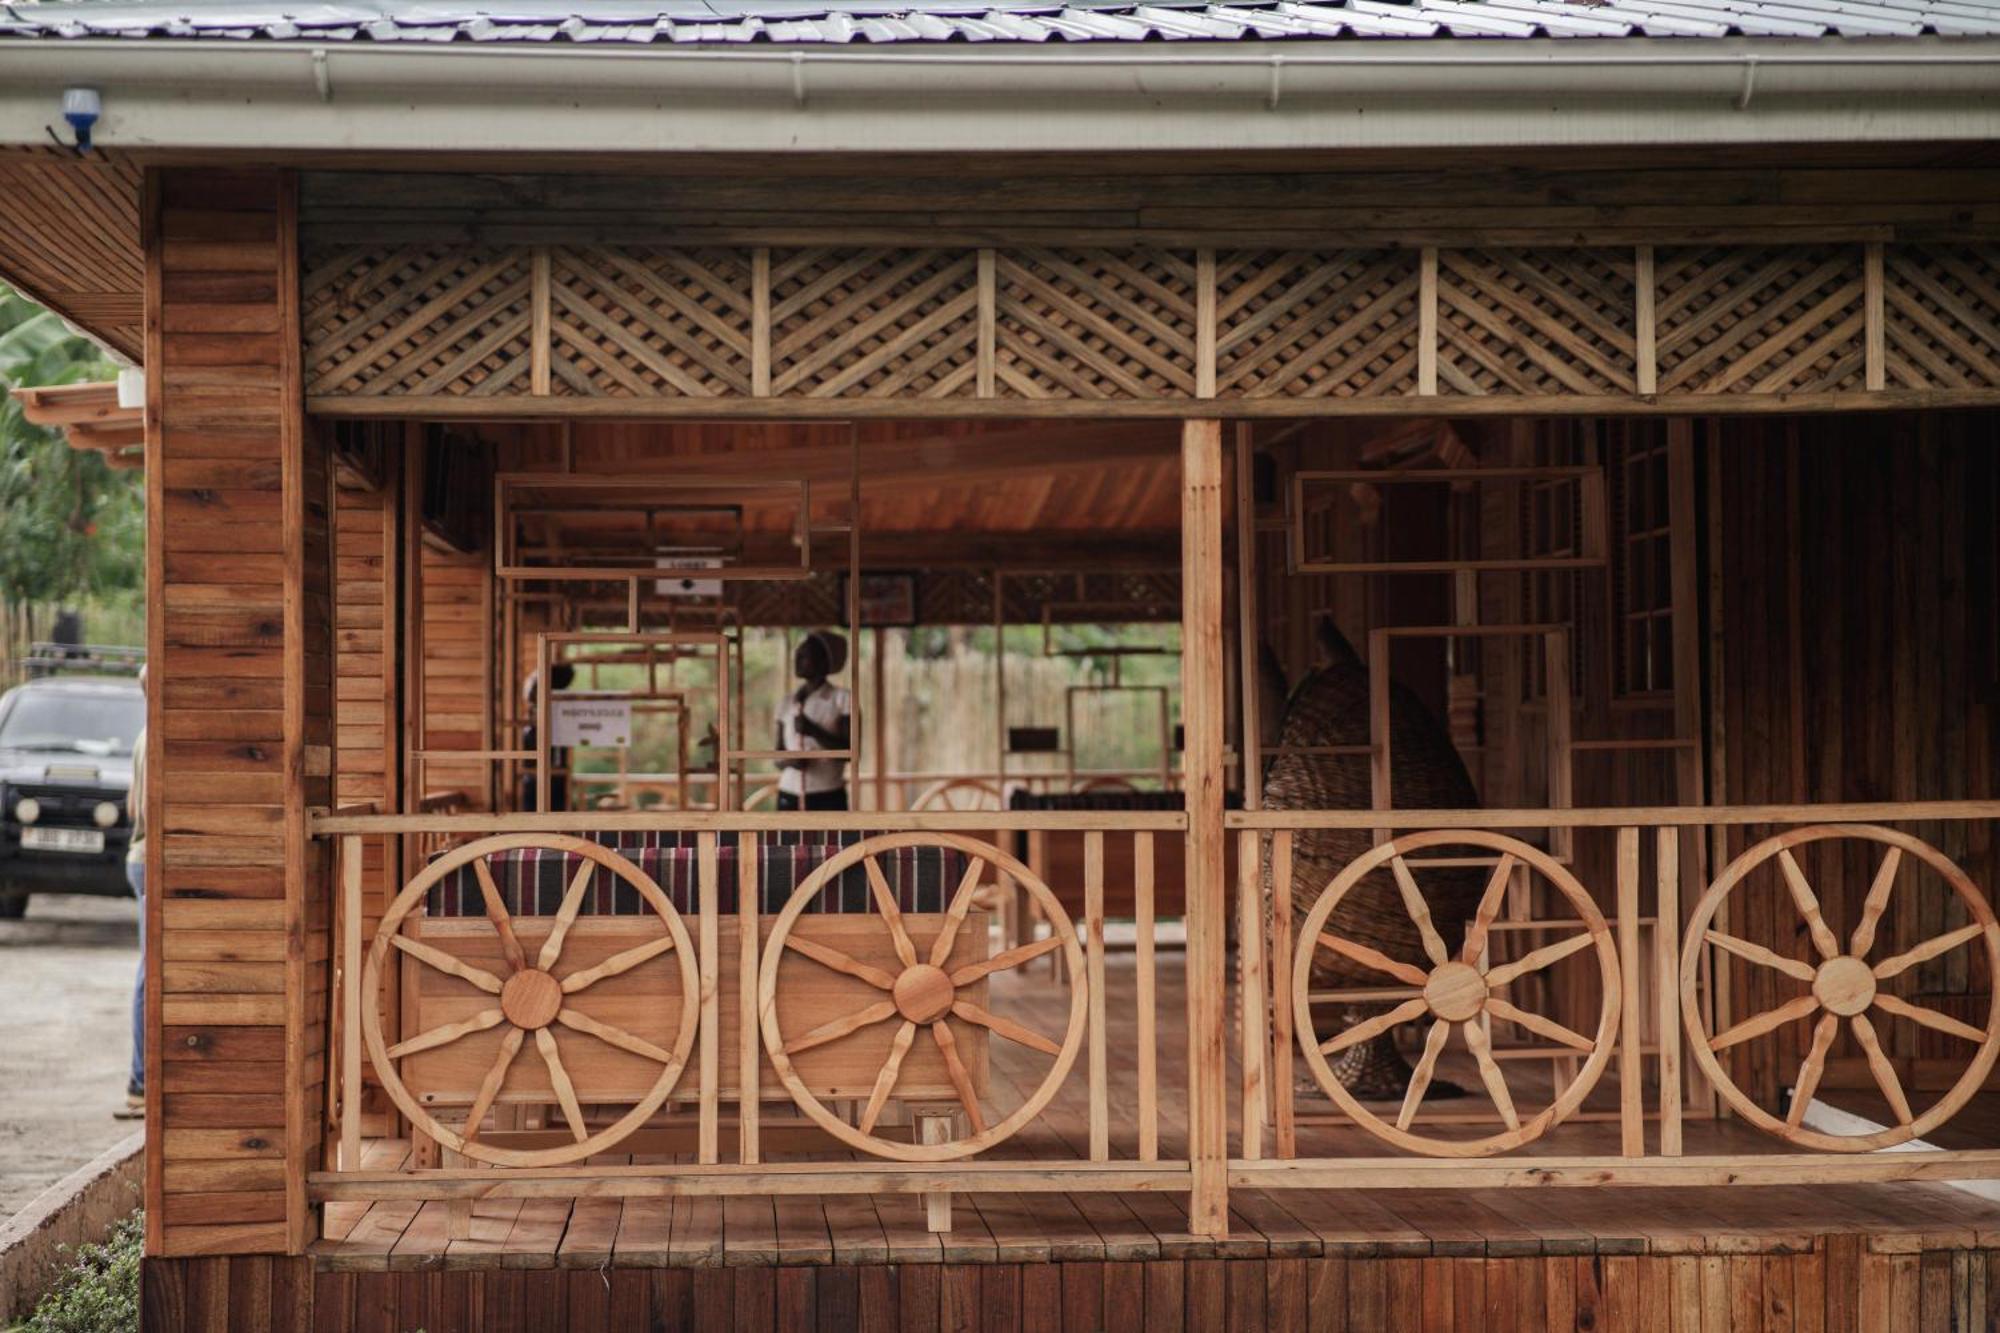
(1202, 719)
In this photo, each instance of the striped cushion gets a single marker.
(532, 880)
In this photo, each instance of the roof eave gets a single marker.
(275, 98)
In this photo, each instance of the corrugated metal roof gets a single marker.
(818, 23)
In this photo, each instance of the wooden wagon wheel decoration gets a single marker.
(1458, 991)
(959, 794)
(531, 1001)
(922, 994)
(1843, 985)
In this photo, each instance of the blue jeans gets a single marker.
(135, 875)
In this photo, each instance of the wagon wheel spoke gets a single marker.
(954, 917)
(1489, 1072)
(1876, 903)
(616, 963)
(1919, 1014)
(446, 963)
(841, 962)
(1006, 1027)
(1807, 902)
(496, 912)
(489, 1088)
(445, 1035)
(614, 1036)
(1420, 1077)
(1369, 1029)
(1770, 1020)
(885, 903)
(545, 1042)
(1807, 1083)
(1537, 960)
(1757, 953)
(885, 1082)
(1489, 909)
(1419, 911)
(1878, 1065)
(948, 1047)
(1374, 959)
(572, 903)
(1535, 1023)
(840, 1027)
(1006, 958)
(1926, 951)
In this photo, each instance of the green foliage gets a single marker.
(70, 527)
(100, 1291)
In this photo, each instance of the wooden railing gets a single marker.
(746, 1030)
(1314, 988)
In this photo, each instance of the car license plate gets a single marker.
(63, 839)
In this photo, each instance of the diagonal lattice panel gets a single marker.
(650, 323)
(1941, 316)
(1760, 319)
(1095, 324)
(1313, 325)
(870, 323)
(418, 320)
(1537, 322)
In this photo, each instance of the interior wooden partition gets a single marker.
(1861, 307)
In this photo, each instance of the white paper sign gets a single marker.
(602, 722)
(688, 585)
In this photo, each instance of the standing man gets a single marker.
(135, 875)
(816, 716)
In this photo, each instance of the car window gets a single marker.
(95, 724)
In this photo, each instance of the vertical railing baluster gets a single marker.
(1149, 1074)
(350, 1003)
(707, 1133)
(1280, 891)
(748, 1068)
(1093, 941)
(1667, 973)
(1631, 1069)
(1250, 984)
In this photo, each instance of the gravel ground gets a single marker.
(65, 996)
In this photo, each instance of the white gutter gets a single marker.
(296, 96)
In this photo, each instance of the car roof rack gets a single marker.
(47, 659)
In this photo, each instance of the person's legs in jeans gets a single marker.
(135, 873)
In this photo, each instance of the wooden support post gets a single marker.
(707, 1133)
(988, 325)
(1149, 1040)
(1381, 790)
(1093, 943)
(1562, 767)
(935, 1125)
(760, 322)
(1204, 324)
(748, 1051)
(1666, 982)
(1250, 987)
(1631, 1068)
(539, 347)
(1201, 716)
(1647, 369)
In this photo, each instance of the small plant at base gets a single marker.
(99, 1293)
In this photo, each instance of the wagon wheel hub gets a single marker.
(1456, 992)
(924, 993)
(1844, 985)
(531, 999)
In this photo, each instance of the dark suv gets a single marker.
(65, 771)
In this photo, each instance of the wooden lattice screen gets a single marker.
(1551, 326)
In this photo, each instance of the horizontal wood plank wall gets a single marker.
(1859, 562)
(946, 296)
(242, 699)
(457, 606)
(1834, 1283)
